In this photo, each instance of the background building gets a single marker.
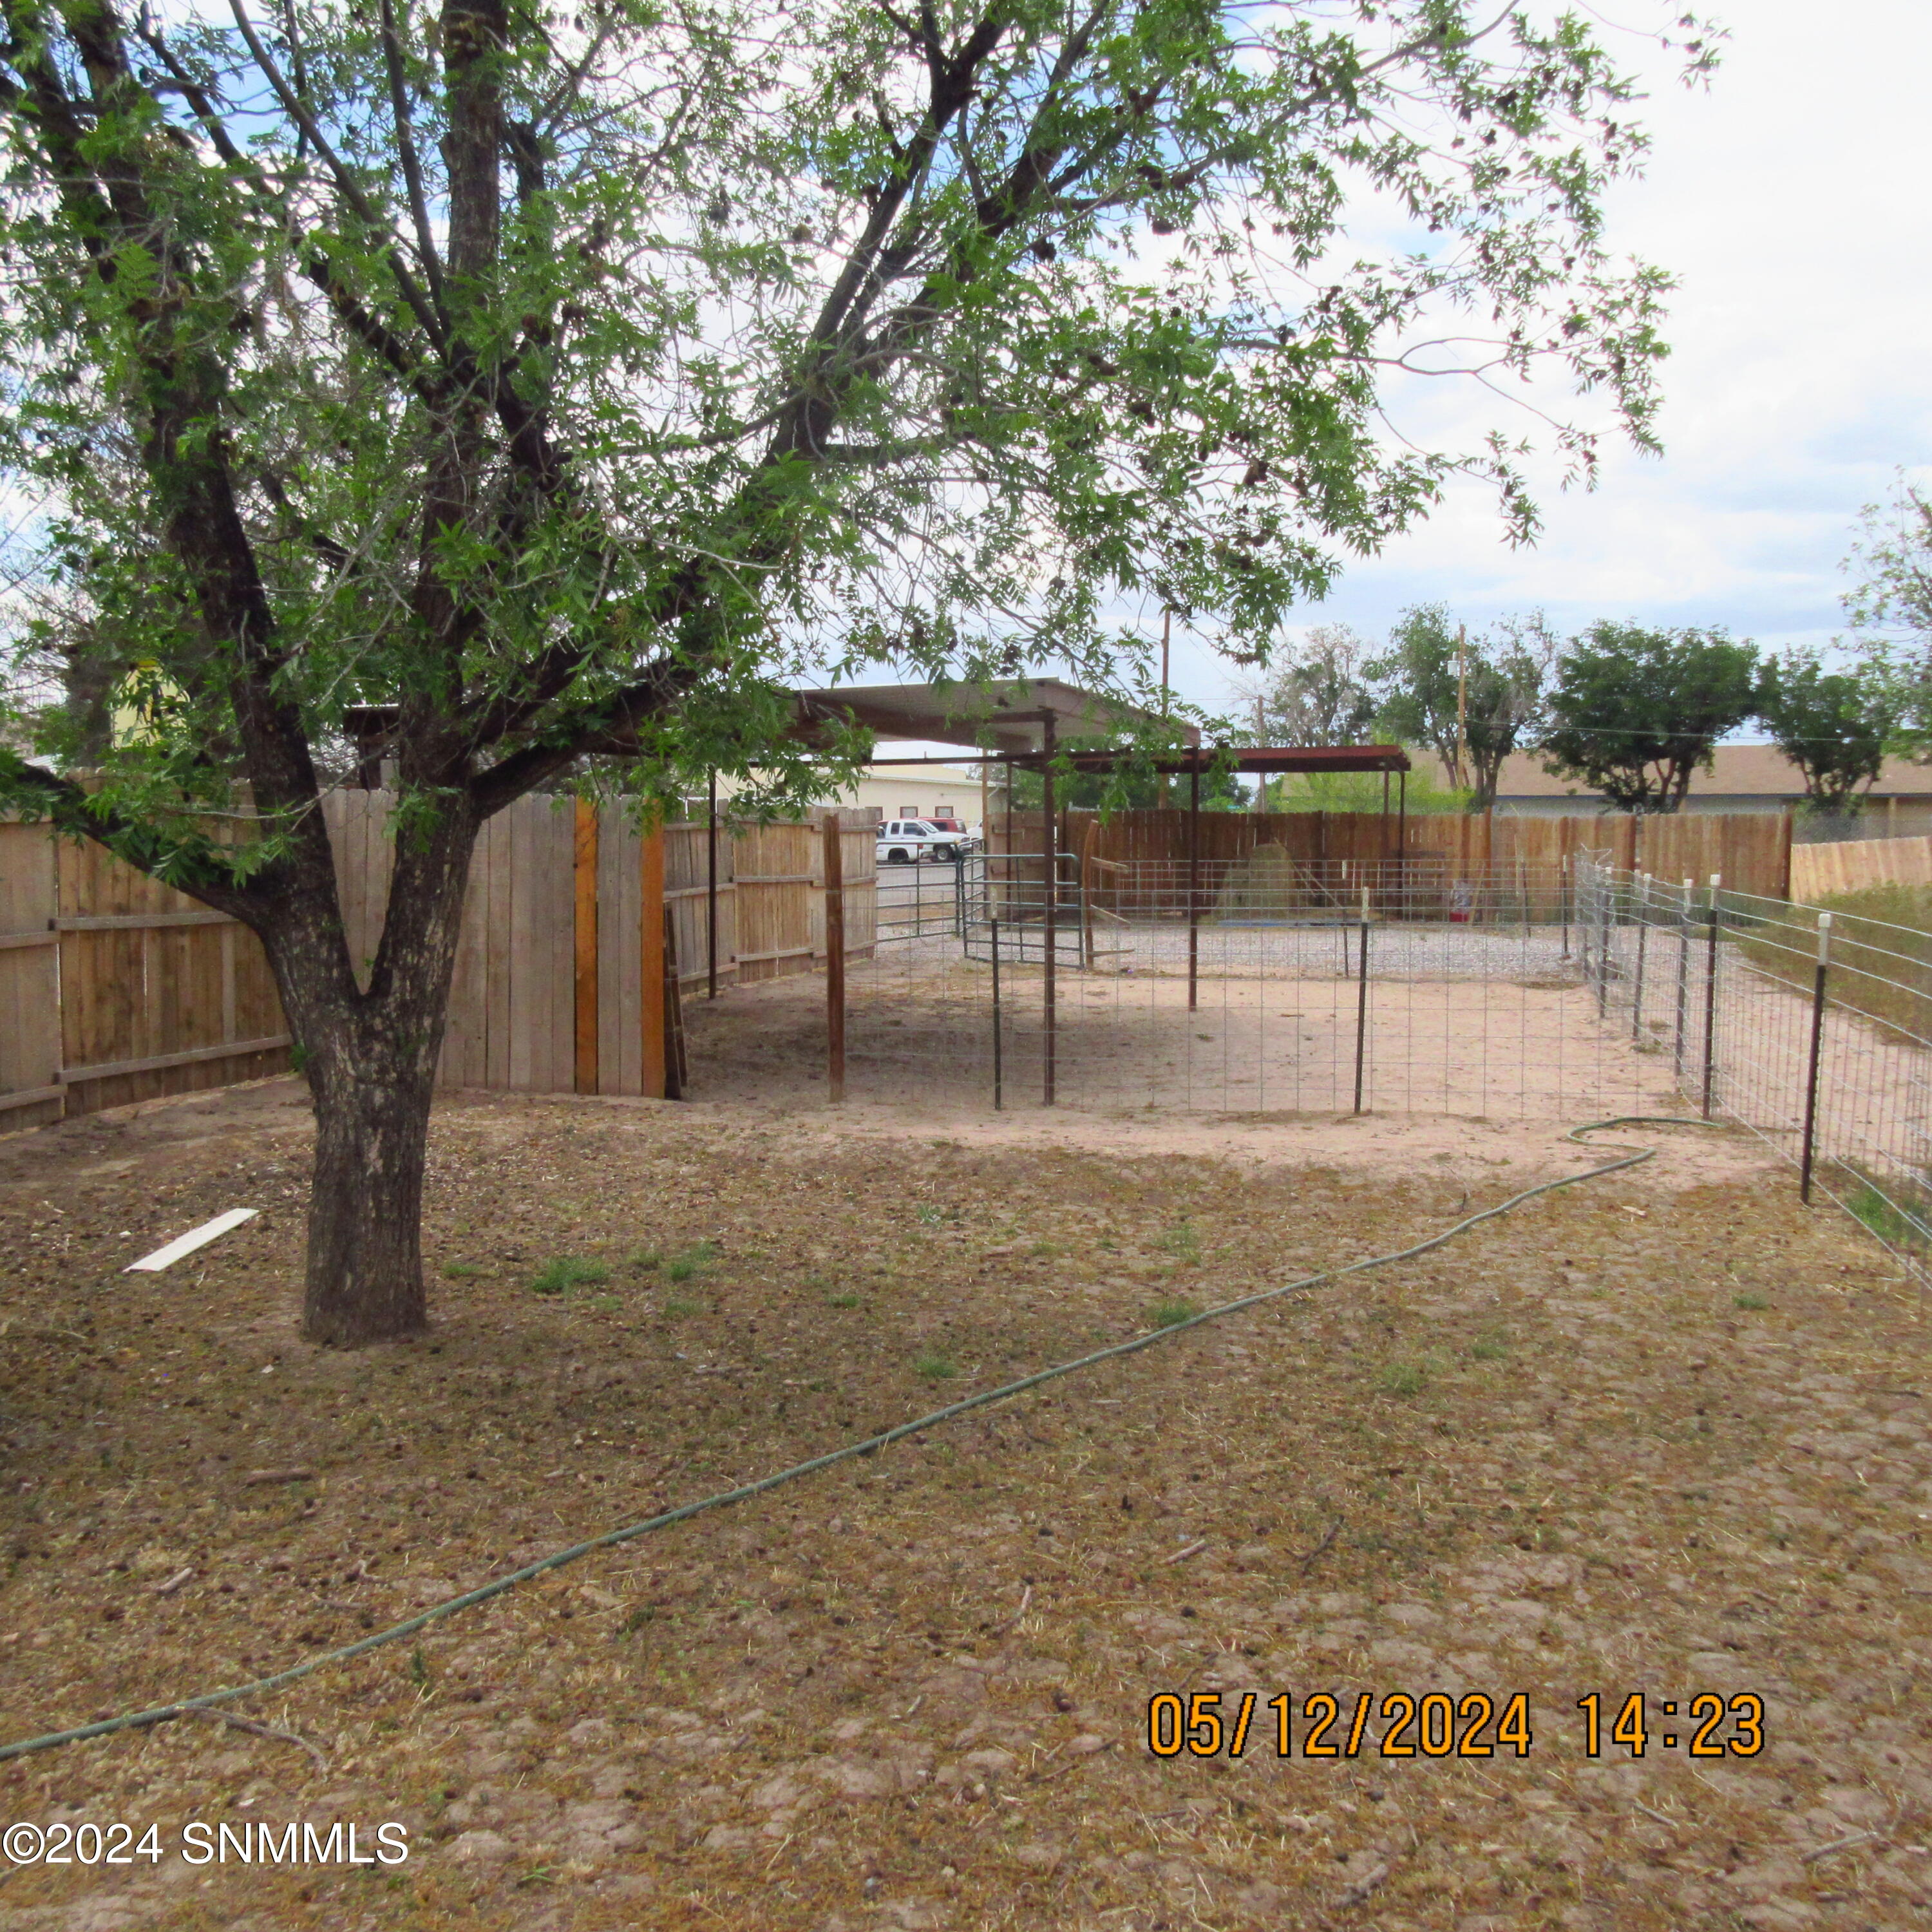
(909, 791)
(1743, 778)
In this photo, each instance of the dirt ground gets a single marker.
(1483, 1040)
(1666, 1433)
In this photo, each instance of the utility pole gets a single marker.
(1261, 741)
(1457, 777)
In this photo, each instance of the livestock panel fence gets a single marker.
(1810, 1025)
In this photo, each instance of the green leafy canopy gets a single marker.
(1635, 710)
(573, 381)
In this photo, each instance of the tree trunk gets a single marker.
(365, 1280)
(370, 1055)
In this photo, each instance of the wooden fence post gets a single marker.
(583, 860)
(835, 959)
(651, 961)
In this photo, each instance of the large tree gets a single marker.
(553, 386)
(1832, 725)
(1481, 697)
(1635, 712)
(1316, 693)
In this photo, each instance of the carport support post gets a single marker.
(1048, 1016)
(1362, 1005)
(652, 1045)
(1401, 844)
(1710, 1001)
(999, 1068)
(1194, 880)
(1811, 1072)
(835, 959)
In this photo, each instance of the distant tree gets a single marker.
(1833, 725)
(1635, 712)
(1891, 607)
(1362, 791)
(1318, 693)
(1499, 679)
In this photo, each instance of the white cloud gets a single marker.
(1789, 201)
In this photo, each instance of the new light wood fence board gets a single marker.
(1824, 872)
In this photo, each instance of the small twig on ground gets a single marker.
(257, 1478)
(1186, 1550)
(1672, 1823)
(173, 1583)
(1322, 1548)
(1843, 1844)
(1362, 1887)
(241, 1724)
(1026, 1597)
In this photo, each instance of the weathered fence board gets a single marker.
(30, 1094)
(155, 997)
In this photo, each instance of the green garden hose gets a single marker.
(162, 1713)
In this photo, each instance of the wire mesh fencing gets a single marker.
(1253, 986)
(1810, 1026)
(1527, 993)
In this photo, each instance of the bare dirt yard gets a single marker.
(1665, 1432)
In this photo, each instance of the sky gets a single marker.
(1789, 201)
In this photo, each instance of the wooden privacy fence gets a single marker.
(115, 988)
(770, 897)
(1821, 871)
(575, 921)
(1752, 850)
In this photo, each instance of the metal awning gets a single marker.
(1007, 718)
(1262, 759)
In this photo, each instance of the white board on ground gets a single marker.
(195, 1237)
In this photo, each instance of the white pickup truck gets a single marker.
(905, 841)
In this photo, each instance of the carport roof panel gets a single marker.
(1266, 758)
(1007, 717)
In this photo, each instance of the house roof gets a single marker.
(1738, 771)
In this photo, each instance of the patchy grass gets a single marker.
(1169, 1314)
(567, 1274)
(691, 1263)
(935, 1365)
(1881, 953)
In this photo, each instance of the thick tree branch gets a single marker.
(406, 148)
